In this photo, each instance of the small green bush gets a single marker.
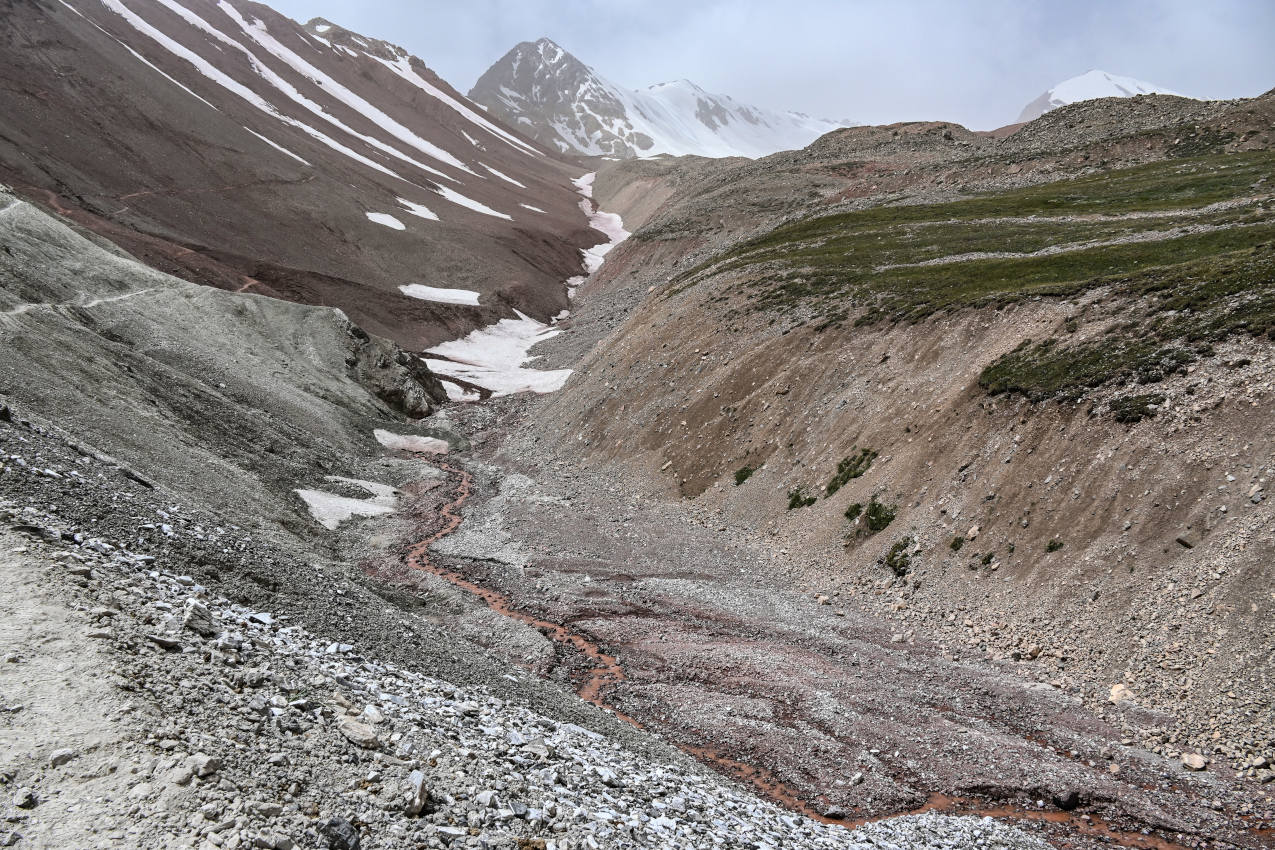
(849, 469)
(1135, 408)
(879, 515)
(852, 512)
(957, 543)
(797, 498)
(987, 559)
(1053, 545)
(898, 559)
(743, 474)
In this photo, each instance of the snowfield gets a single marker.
(330, 510)
(1090, 85)
(609, 224)
(441, 296)
(494, 357)
(540, 85)
(418, 210)
(469, 203)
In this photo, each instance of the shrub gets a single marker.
(987, 559)
(1053, 545)
(797, 498)
(852, 512)
(849, 469)
(1135, 408)
(957, 543)
(898, 559)
(879, 515)
(743, 474)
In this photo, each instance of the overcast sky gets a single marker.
(874, 61)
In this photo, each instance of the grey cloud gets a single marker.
(976, 62)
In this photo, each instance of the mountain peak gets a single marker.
(1092, 84)
(545, 91)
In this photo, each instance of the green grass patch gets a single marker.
(865, 261)
(879, 515)
(743, 474)
(853, 512)
(1175, 314)
(898, 558)
(849, 469)
(1135, 408)
(797, 498)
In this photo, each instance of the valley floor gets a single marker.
(143, 709)
(824, 707)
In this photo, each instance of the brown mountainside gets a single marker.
(229, 145)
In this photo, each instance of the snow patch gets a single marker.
(403, 67)
(321, 28)
(533, 209)
(411, 443)
(504, 177)
(234, 87)
(609, 224)
(469, 203)
(418, 210)
(330, 510)
(494, 357)
(387, 220)
(139, 57)
(442, 296)
(278, 147)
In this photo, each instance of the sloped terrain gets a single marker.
(220, 397)
(230, 146)
(1008, 394)
(240, 676)
(568, 107)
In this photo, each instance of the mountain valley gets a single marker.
(386, 467)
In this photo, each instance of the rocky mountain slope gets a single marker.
(1005, 392)
(228, 145)
(202, 644)
(1090, 85)
(917, 473)
(552, 96)
(219, 397)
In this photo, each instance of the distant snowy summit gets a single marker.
(564, 104)
(1089, 86)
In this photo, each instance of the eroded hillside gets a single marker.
(1011, 393)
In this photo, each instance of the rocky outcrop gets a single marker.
(397, 378)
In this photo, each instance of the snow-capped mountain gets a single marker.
(555, 98)
(1089, 86)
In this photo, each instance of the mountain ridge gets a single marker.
(566, 105)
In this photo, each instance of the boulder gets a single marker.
(359, 734)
